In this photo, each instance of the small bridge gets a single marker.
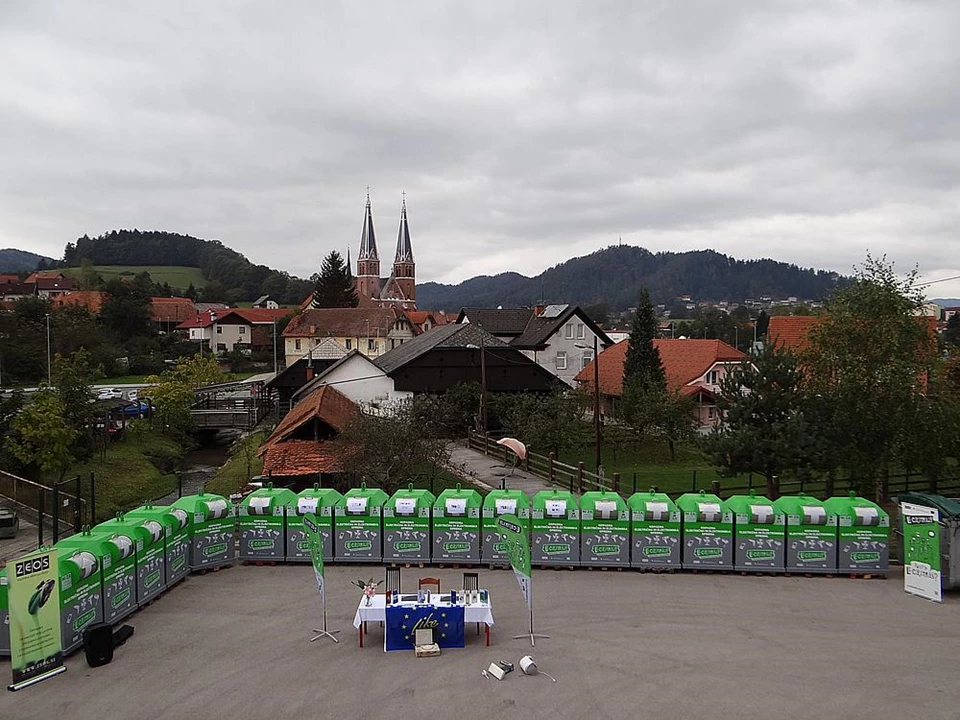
(242, 404)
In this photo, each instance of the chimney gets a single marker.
(313, 329)
(538, 310)
(309, 373)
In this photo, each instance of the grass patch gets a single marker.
(178, 276)
(242, 465)
(134, 470)
(142, 379)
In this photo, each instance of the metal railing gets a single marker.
(40, 504)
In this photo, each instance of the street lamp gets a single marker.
(274, 347)
(596, 399)
(49, 358)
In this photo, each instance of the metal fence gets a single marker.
(60, 507)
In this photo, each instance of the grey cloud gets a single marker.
(522, 134)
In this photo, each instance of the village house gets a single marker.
(695, 368)
(371, 330)
(237, 328)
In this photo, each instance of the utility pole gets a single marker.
(49, 358)
(483, 383)
(275, 347)
(596, 401)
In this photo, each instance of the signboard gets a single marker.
(515, 536)
(921, 551)
(34, 605)
(311, 526)
(403, 621)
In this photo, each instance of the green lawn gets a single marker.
(235, 474)
(134, 470)
(178, 276)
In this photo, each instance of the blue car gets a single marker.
(133, 410)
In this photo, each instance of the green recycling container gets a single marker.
(497, 503)
(406, 526)
(811, 545)
(759, 534)
(707, 532)
(176, 538)
(147, 539)
(359, 526)
(863, 543)
(212, 532)
(116, 556)
(322, 503)
(262, 522)
(604, 530)
(81, 594)
(654, 531)
(456, 527)
(555, 529)
(4, 614)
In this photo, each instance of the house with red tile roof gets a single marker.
(50, 283)
(790, 331)
(302, 444)
(693, 367)
(92, 300)
(372, 331)
(168, 312)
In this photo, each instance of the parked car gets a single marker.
(109, 394)
(9, 523)
(133, 394)
(137, 409)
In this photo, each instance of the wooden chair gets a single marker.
(471, 581)
(429, 581)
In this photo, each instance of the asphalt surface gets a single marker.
(234, 644)
(491, 472)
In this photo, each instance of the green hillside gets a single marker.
(177, 276)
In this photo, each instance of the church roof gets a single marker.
(368, 240)
(404, 249)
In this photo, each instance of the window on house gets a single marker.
(587, 357)
(243, 330)
(562, 359)
(711, 410)
(579, 331)
(219, 329)
(349, 344)
(221, 347)
(372, 345)
(568, 331)
(712, 377)
(296, 344)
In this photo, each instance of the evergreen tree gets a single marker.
(642, 365)
(334, 286)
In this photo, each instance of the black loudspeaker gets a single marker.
(98, 644)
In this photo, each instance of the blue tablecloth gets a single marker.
(403, 620)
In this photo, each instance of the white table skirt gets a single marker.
(377, 610)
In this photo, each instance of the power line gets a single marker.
(934, 282)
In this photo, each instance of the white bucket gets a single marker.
(528, 666)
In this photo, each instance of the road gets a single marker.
(234, 644)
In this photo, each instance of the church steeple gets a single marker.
(368, 261)
(404, 269)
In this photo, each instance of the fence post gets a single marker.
(505, 455)
(40, 499)
(694, 480)
(580, 477)
(634, 482)
(715, 487)
(933, 484)
(906, 481)
(526, 461)
(77, 510)
(550, 470)
(56, 513)
(93, 500)
(750, 481)
(179, 485)
(616, 483)
(828, 485)
(486, 443)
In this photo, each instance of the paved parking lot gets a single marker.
(234, 644)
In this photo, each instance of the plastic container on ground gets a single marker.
(707, 532)
(212, 530)
(147, 539)
(457, 530)
(654, 531)
(759, 534)
(321, 502)
(358, 525)
(495, 504)
(261, 520)
(863, 535)
(116, 556)
(555, 529)
(949, 533)
(176, 539)
(604, 530)
(811, 544)
(81, 594)
(406, 526)
(4, 614)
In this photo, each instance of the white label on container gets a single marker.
(556, 508)
(814, 515)
(657, 510)
(217, 509)
(406, 506)
(605, 509)
(356, 504)
(761, 514)
(456, 506)
(258, 505)
(181, 517)
(866, 516)
(506, 506)
(709, 512)
(307, 505)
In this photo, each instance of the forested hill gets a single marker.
(239, 278)
(615, 275)
(12, 261)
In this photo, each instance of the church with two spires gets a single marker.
(399, 289)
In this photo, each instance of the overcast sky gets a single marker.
(523, 133)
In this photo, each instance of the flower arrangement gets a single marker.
(369, 588)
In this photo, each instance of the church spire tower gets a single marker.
(404, 268)
(368, 261)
